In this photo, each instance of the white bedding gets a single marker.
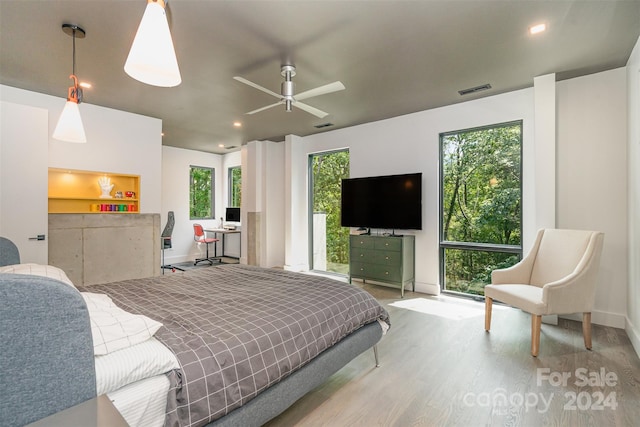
(131, 364)
(143, 403)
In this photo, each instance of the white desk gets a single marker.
(224, 232)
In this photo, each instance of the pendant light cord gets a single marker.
(74, 53)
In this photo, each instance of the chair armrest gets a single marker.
(521, 271)
(575, 293)
(568, 295)
(517, 273)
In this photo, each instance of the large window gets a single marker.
(481, 205)
(201, 193)
(235, 187)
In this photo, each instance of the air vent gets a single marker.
(324, 125)
(474, 89)
(231, 147)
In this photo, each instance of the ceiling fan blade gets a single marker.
(322, 90)
(254, 85)
(310, 109)
(264, 108)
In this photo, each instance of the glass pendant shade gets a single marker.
(70, 126)
(152, 58)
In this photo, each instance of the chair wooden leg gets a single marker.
(586, 329)
(488, 303)
(536, 322)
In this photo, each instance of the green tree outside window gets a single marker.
(201, 192)
(235, 187)
(481, 200)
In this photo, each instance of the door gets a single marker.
(329, 241)
(23, 179)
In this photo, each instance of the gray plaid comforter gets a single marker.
(236, 330)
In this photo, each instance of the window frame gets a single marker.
(443, 245)
(230, 186)
(212, 195)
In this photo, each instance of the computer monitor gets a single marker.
(232, 215)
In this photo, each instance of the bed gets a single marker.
(247, 342)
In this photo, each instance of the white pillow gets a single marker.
(113, 328)
(131, 364)
(38, 270)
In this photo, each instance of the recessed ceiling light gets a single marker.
(85, 85)
(221, 145)
(538, 28)
(237, 124)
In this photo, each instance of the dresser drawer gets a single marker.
(375, 272)
(389, 244)
(362, 255)
(388, 258)
(366, 242)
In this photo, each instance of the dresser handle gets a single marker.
(361, 255)
(386, 272)
(386, 257)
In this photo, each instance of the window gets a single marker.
(481, 205)
(235, 187)
(201, 193)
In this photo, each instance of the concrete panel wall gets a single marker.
(102, 248)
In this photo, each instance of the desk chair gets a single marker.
(200, 237)
(166, 242)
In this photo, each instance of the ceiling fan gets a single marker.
(287, 96)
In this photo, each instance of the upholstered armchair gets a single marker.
(558, 276)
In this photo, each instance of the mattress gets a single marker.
(143, 403)
(238, 330)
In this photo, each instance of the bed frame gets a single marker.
(46, 345)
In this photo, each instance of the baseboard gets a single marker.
(427, 288)
(633, 334)
(296, 268)
(613, 320)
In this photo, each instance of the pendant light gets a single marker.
(152, 58)
(70, 126)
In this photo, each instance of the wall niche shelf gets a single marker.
(78, 191)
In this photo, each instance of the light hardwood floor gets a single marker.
(440, 368)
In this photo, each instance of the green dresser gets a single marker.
(389, 260)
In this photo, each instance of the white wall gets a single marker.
(633, 289)
(589, 190)
(175, 197)
(592, 177)
(404, 144)
(117, 141)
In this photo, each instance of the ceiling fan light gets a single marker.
(70, 127)
(152, 58)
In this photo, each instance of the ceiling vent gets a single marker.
(231, 147)
(474, 89)
(324, 125)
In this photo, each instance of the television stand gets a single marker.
(383, 260)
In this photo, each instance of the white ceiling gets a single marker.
(394, 57)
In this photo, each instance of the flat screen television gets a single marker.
(232, 215)
(388, 202)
